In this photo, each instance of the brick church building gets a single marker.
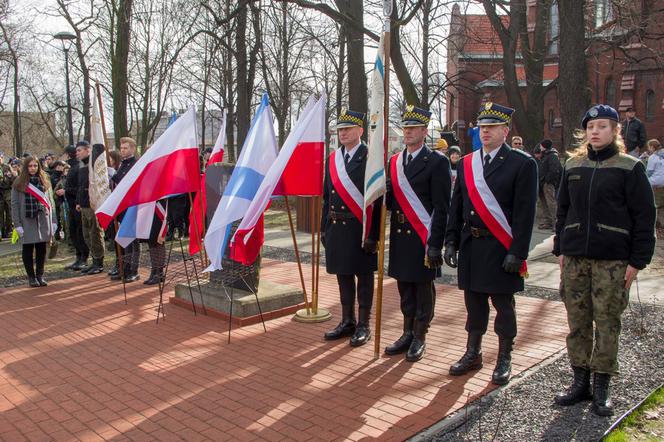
(625, 69)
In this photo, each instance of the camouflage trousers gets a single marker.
(594, 292)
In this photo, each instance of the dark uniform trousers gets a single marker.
(130, 257)
(417, 299)
(477, 306)
(364, 289)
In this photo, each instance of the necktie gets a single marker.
(409, 159)
(347, 157)
(487, 160)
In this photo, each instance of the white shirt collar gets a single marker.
(492, 154)
(352, 151)
(414, 154)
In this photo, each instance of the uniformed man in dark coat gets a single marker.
(353, 261)
(131, 253)
(74, 216)
(418, 196)
(490, 225)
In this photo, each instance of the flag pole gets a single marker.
(297, 257)
(118, 252)
(387, 10)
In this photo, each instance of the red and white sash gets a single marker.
(162, 214)
(410, 203)
(485, 203)
(41, 196)
(347, 190)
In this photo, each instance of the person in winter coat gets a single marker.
(33, 213)
(633, 133)
(550, 171)
(655, 172)
(604, 235)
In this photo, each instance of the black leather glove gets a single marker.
(434, 257)
(370, 246)
(322, 238)
(512, 263)
(451, 256)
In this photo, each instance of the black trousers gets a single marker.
(477, 307)
(130, 258)
(157, 255)
(33, 268)
(363, 289)
(76, 233)
(417, 299)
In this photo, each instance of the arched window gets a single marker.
(610, 92)
(650, 105)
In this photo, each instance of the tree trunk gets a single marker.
(357, 77)
(119, 60)
(426, 9)
(572, 68)
(243, 91)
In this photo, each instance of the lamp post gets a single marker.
(66, 39)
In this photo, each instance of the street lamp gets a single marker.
(66, 39)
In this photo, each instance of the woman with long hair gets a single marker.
(33, 212)
(605, 234)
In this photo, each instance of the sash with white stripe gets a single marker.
(162, 214)
(410, 203)
(347, 190)
(41, 196)
(485, 203)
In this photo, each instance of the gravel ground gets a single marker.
(526, 410)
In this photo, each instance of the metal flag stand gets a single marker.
(174, 273)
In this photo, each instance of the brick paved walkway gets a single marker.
(76, 363)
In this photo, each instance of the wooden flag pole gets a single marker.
(297, 257)
(387, 10)
(116, 225)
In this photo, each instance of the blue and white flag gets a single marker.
(258, 153)
(374, 176)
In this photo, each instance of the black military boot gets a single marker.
(363, 330)
(74, 264)
(347, 325)
(501, 374)
(472, 359)
(81, 265)
(403, 343)
(418, 345)
(602, 405)
(150, 280)
(96, 267)
(578, 391)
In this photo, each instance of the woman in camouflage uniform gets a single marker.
(604, 235)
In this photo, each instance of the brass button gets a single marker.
(343, 222)
(398, 212)
(333, 191)
(408, 232)
(472, 212)
(332, 207)
(398, 230)
(334, 221)
(343, 207)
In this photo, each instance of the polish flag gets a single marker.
(307, 137)
(199, 207)
(169, 167)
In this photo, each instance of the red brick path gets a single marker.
(76, 363)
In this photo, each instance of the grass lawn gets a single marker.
(645, 424)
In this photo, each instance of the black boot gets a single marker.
(347, 325)
(503, 370)
(472, 359)
(602, 405)
(114, 270)
(41, 281)
(32, 281)
(74, 264)
(578, 391)
(363, 330)
(80, 264)
(403, 343)
(97, 266)
(418, 345)
(150, 280)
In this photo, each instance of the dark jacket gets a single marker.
(71, 185)
(343, 231)
(550, 168)
(606, 209)
(634, 133)
(512, 178)
(6, 177)
(429, 177)
(82, 195)
(125, 166)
